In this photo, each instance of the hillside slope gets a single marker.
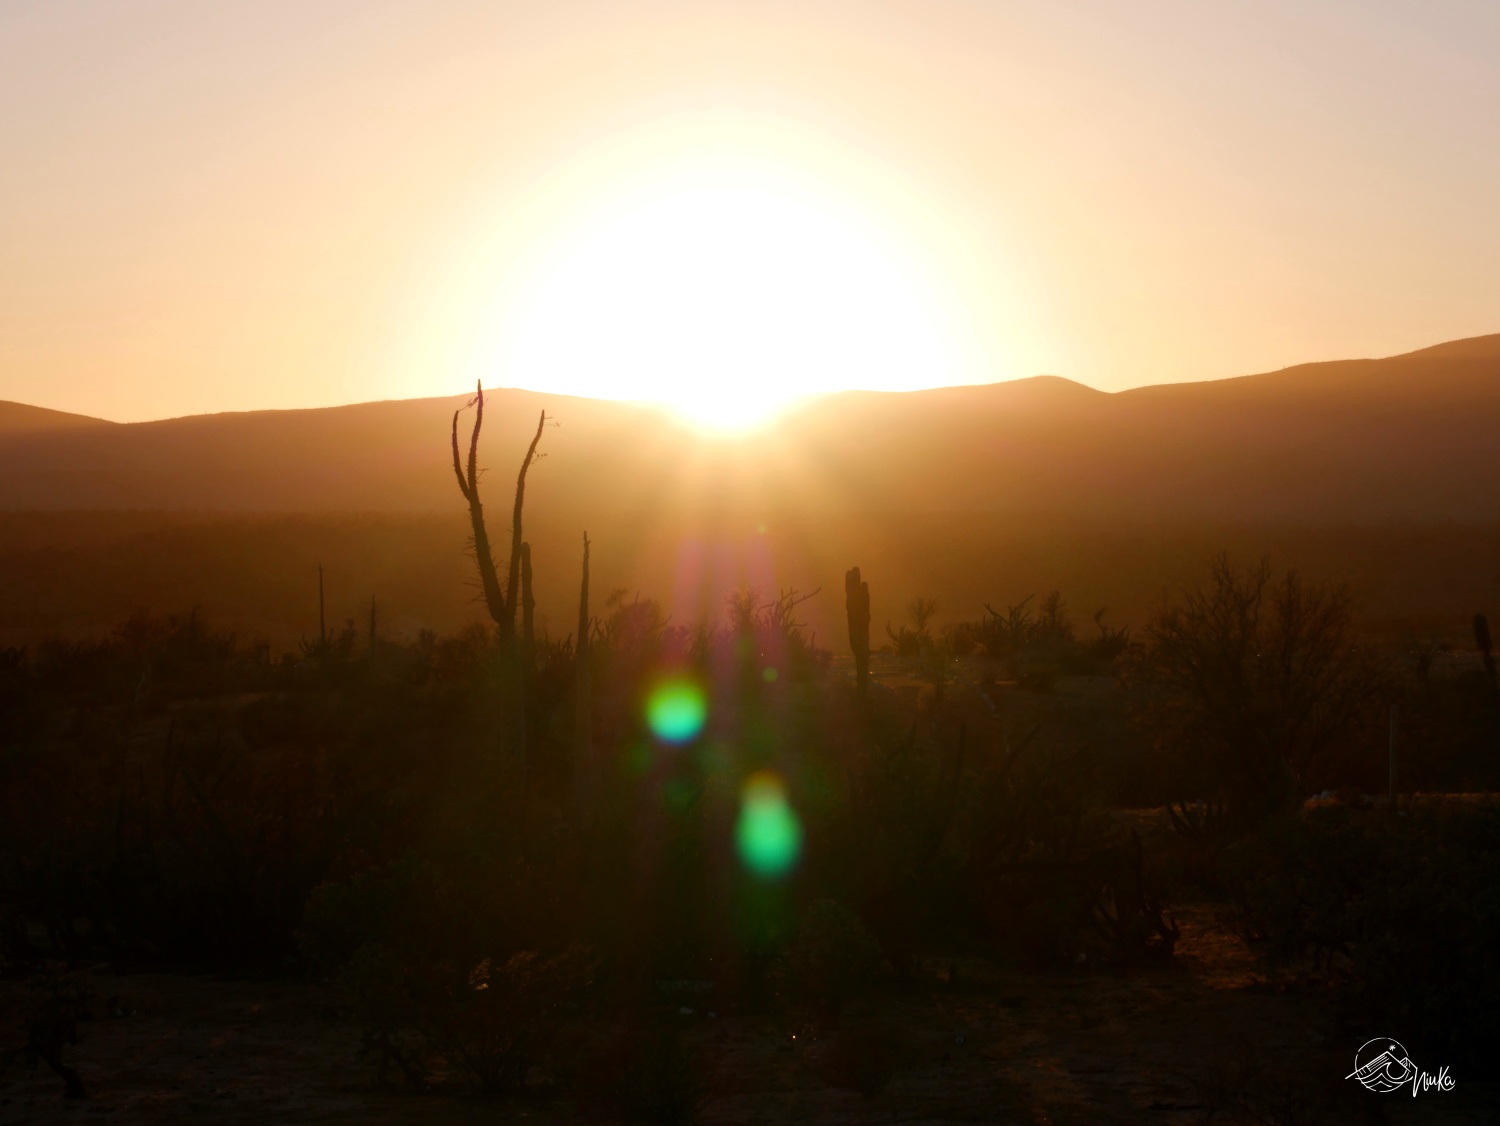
(1410, 437)
(19, 418)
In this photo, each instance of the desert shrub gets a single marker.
(59, 999)
(910, 641)
(900, 861)
(633, 627)
(406, 942)
(863, 1056)
(162, 823)
(1131, 908)
(1039, 840)
(652, 1069)
(1449, 728)
(1244, 684)
(1056, 880)
(489, 1024)
(367, 909)
(1293, 885)
(1036, 646)
(999, 838)
(1097, 655)
(1021, 637)
(496, 1025)
(765, 633)
(1404, 912)
(1242, 1082)
(832, 958)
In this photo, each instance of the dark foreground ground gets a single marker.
(1205, 1039)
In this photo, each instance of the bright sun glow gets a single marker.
(725, 293)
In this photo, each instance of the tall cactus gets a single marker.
(501, 602)
(468, 485)
(857, 605)
(528, 607)
(516, 545)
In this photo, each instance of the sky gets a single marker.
(272, 204)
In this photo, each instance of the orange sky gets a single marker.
(240, 205)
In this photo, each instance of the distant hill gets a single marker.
(1411, 437)
(18, 418)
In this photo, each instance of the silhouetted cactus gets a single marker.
(857, 604)
(528, 608)
(1483, 643)
(501, 604)
(517, 548)
(468, 485)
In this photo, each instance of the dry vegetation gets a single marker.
(1040, 871)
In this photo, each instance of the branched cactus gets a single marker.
(501, 603)
(528, 609)
(516, 546)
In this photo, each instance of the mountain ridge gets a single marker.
(23, 418)
(1400, 438)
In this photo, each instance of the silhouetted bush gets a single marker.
(652, 1069)
(831, 959)
(1404, 911)
(370, 809)
(1036, 647)
(1448, 727)
(489, 1023)
(1246, 685)
(911, 641)
(864, 1057)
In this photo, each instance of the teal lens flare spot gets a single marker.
(675, 710)
(768, 835)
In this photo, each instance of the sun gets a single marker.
(726, 293)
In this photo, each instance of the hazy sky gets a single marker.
(236, 205)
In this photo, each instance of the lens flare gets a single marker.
(676, 710)
(768, 835)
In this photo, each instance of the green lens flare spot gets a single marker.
(676, 710)
(769, 674)
(768, 834)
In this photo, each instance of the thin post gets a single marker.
(583, 715)
(1395, 724)
(322, 621)
(372, 623)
